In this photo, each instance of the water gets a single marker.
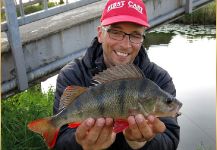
(189, 55)
(190, 58)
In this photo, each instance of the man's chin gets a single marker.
(121, 63)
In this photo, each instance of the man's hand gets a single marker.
(95, 134)
(142, 129)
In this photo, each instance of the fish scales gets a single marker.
(115, 96)
(106, 100)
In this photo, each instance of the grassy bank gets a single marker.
(17, 111)
(203, 16)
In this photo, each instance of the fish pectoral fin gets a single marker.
(74, 124)
(70, 94)
(141, 108)
(120, 125)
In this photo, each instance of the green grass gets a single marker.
(17, 111)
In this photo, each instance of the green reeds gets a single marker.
(20, 109)
(203, 16)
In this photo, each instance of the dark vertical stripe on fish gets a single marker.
(79, 106)
(100, 99)
(141, 89)
(99, 94)
(122, 90)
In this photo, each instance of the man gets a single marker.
(119, 41)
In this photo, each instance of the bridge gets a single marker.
(37, 46)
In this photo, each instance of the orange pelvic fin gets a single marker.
(74, 124)
(45, 128)
(120, 125)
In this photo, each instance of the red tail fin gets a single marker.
(46, 129)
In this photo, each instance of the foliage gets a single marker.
(17, 111)
(35, 8)
(157, 39)
(203, 16)
(61, 2)
(31, 9)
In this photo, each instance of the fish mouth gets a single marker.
(175, 112)
(178, 113)
(171, 110)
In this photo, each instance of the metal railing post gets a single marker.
(16, 44)
(21, 8)
(45, 5)
(189, 5)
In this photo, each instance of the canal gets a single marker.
(189, 56)
(188, 53)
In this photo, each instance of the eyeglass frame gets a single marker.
(107, 29)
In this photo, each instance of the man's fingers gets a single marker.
(95, 131)
(157, 125)
(106, 133)
(144, 128)
(132, 132)
(84, 128)
(95, 134)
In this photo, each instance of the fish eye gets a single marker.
(169, 100)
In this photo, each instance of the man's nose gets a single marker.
(126, 42)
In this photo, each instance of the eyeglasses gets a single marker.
(120, 35)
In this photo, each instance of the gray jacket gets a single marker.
(81, 71)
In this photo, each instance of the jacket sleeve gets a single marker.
(69, 75)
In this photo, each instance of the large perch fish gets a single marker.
(121, 91)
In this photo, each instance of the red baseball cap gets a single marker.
(124, 11)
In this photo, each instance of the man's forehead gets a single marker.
(124, 25)
(120, 24)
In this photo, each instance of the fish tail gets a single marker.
(45, 128)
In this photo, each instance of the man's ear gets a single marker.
(99, 34)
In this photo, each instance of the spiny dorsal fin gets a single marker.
(128, 71)
(70, 94)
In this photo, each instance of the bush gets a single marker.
(20, 109)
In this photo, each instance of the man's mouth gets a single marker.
(122, 54)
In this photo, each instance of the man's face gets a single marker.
(116, 52)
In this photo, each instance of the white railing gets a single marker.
(46, 12)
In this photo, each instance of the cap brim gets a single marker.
(124, 18)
